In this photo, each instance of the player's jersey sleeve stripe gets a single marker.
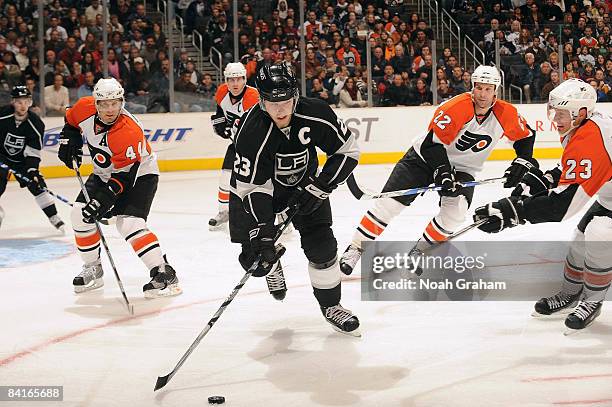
(7, 116)
(261, 148)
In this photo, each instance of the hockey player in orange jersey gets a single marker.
(123, 184)
(233, 98)
(585, 170)
(461, 135)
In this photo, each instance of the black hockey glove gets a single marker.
(36, 178)
(536, 182)
(503, 214)
(311, 196)
(220, 126)
(517, 169)
(71, 146)
(444, 176)
(262, 243)
(99, 204)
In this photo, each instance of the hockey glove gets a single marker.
(503, 214)
(36, 178)
(444, 176)
(535, 182)
(311, 196)
(71, 146)
(517, 169)
(220, 126)
(262, 243)
(99, 204)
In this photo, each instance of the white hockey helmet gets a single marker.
(486, 74)
(108, 89)
(573, 95)
(234, 70)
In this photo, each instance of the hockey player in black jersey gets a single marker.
(276, 169)
(21, 133)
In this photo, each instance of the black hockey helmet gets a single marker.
(20, 91)
(276, 83)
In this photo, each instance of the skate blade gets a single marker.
(169, 291)
(557, 315)
(355, 333)
(216, 228)
(97, 283)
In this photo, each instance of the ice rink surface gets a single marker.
(267, 353)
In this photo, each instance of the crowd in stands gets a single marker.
(530, 33)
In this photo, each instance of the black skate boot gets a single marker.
(342, 319)
(218, 221)
(556, 303)
(349, 259)
(164, 282)
(583, 315)
(276, 283)
(90, 278)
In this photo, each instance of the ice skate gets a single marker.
(342, 320)
(349, 259)
(164, 283)
(218, 221)
(276, 283)
(582, 316)
(560, 303)
(89, 279)
(58, 223)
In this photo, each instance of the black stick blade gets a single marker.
(161, 382)
(353, 187)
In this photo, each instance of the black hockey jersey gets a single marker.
(20, 144)
(271, 163)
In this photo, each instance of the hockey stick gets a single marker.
(129, 306)
(163, 380)
(28, 180)
(364, 195)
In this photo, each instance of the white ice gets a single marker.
(267, 353)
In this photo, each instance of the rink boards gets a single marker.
(185, 141)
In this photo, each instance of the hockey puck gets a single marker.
(216, 400)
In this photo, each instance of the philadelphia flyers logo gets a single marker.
(101, 158)
(472, 141)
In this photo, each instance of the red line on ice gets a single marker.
(74, 334)
(560, 378)
(579, 402)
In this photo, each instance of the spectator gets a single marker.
(386, 81)
(389, 49)
(588, 72)
(71, 21)
(149, 51)
(54, 26)
(401, 62)
(585, 57)
(530, 78)
(348, 55)
(551, 12)
(455, 81)
(77, 74)
(115, 69)
(139, 79)
(93, 10)
(33, 69)
(56, 97)
(536, 49)
(160, 86)
(467, 82)
(444, 91)
(311, 64)
(397, 93)
(86, 89)
(426, 70)
(23, 60)
(587, 41)
(350, 96)
(421, 96)
(207, 88)
(319, 92)
(553, 83)
(601, 95)
(70, 54)
(159, 36)
(378, 63)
